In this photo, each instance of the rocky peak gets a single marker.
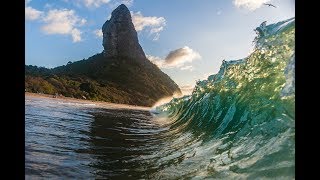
(121, 13)
(120, 37)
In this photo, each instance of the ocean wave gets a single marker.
(244, 115)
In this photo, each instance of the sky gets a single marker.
(186, 39)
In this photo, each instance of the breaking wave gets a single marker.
(242, 119)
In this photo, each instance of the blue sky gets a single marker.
(187, 39)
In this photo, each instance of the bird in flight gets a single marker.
(270, 5)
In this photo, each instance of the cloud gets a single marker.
(98, 3)
(249, 4)
(190, 68)
(182, 55)
(63, 21)
(176, 58)
(95, 3)
(32, 14)
(98, 33)
(76, 35)
(219, 12)
(153, 25)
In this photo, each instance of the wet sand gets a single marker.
(101, 104)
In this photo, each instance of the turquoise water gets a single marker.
(237, 124)
(244, 116)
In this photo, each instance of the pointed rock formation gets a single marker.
(120, 38)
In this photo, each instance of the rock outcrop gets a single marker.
(120, 37)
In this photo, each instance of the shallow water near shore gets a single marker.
(78, 140)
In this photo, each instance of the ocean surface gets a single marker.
(237, 124)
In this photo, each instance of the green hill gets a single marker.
(99, 78)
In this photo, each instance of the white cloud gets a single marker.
(95, 3)
(156, 30)
(154, 25)
(76, 35)
(63, 21)
(219, 12)
(98, 33)
(180, 56)
(32, 14)
(249, 4)
(176, 58)
(98, 3)
(190, 68)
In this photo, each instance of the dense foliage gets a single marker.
(128, 81)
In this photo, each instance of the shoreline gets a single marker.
(102, 104)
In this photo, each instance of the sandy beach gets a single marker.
(101, 104)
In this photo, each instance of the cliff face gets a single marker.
(120, 74)
(120, 37)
